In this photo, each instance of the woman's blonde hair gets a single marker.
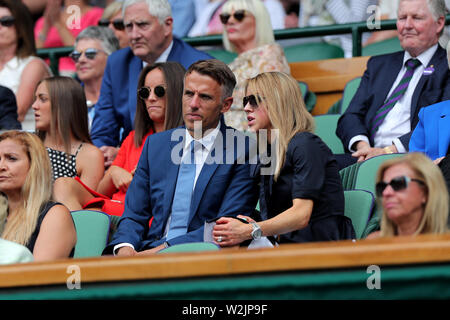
(285, 107)
(436, 209)
(263, 26)
(36, 190)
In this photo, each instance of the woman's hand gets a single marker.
(120, 178)
(52, 13)
(231, 231)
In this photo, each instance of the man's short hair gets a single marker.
(157, 8)
(218, 71)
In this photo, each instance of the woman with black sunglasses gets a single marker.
(248, 32)
(92, 48)
(158, 109)
(413, 195)
(112, 18)
(20, 68)
(301, 194)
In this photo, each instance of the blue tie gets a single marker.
(181, 203)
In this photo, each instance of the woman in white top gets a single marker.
(20, 69)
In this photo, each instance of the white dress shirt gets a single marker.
(397, 121)
(200, 155)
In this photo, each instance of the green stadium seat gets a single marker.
(92, 232)
(349, 92)
(381, 47)
(223, 55)
(312, 51)
(326, 130)
(358, 207)
(191, 247)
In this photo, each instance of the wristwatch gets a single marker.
(256, 233)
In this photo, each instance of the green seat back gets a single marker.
(349, 92)
(223, 55)
(381, 47)
(191, 247)
(326, 130)
(358, 207)
(92, 232)
(312, 51)
(309, 97)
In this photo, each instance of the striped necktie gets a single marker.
(395, 96)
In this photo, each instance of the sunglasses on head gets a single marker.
(238, 15)
(7, 21)
(252, 99)
(90, 53)
(117, 24)
(397, 184)
(145, 92)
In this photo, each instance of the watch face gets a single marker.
(256, 233)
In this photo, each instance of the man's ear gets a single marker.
(168, 26)
(226, 105)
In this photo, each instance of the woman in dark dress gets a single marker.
(31, 219)
(301, 196)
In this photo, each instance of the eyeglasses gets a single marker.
(239, 15)
(397, 184)
(90, 53)
(117, 24)
(252, 99)
(7, 21)
(144, 92)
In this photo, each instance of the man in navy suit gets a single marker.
(220, 184)
(8, 110)
(420, 24)
(149, 26)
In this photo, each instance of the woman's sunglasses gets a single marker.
(90, 53)
(252, 99)
(7, 21)
(145, 92)
(117, 24)
(397, 184)
(239, 15)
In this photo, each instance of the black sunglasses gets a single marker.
(397, 184)
(7, 21)
(252, 99)
(239, 15)
(145, 92)
(90, 53)
(117, 24)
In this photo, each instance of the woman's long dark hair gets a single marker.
(173, 76)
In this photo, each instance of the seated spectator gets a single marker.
(62, 124)
(92, 48)
(158, 109)
(183, 13)
(61, 23)
(384, 111)
(150, 33)
(413, 195)
(301, 195)
(45, 227)
(20, 69)
(432, 133)
(8, 110)
(177, 182)
(207, 19)
(325, 12)
(249, 33)
(112, 18)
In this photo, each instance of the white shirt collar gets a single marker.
(207, 141)
(424, 57)
(163, 57)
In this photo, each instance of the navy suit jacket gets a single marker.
(432, 134)
(116, 106)
(8, 110)
(375, 85)
(221, 189)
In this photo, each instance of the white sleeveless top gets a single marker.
(10, 77)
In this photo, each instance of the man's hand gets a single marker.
(151, 251)
(109, 153)
(126, 252)
(364, 151)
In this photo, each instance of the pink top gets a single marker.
(90, 18)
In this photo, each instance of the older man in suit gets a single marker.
(181, 195)
(149, 26)
(394, 87)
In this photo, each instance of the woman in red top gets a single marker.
(160, 90)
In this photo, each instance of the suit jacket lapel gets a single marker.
(393, 68)
(133, 76)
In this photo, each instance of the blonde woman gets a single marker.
(414, 197)
(31, 219)
(303, 199)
